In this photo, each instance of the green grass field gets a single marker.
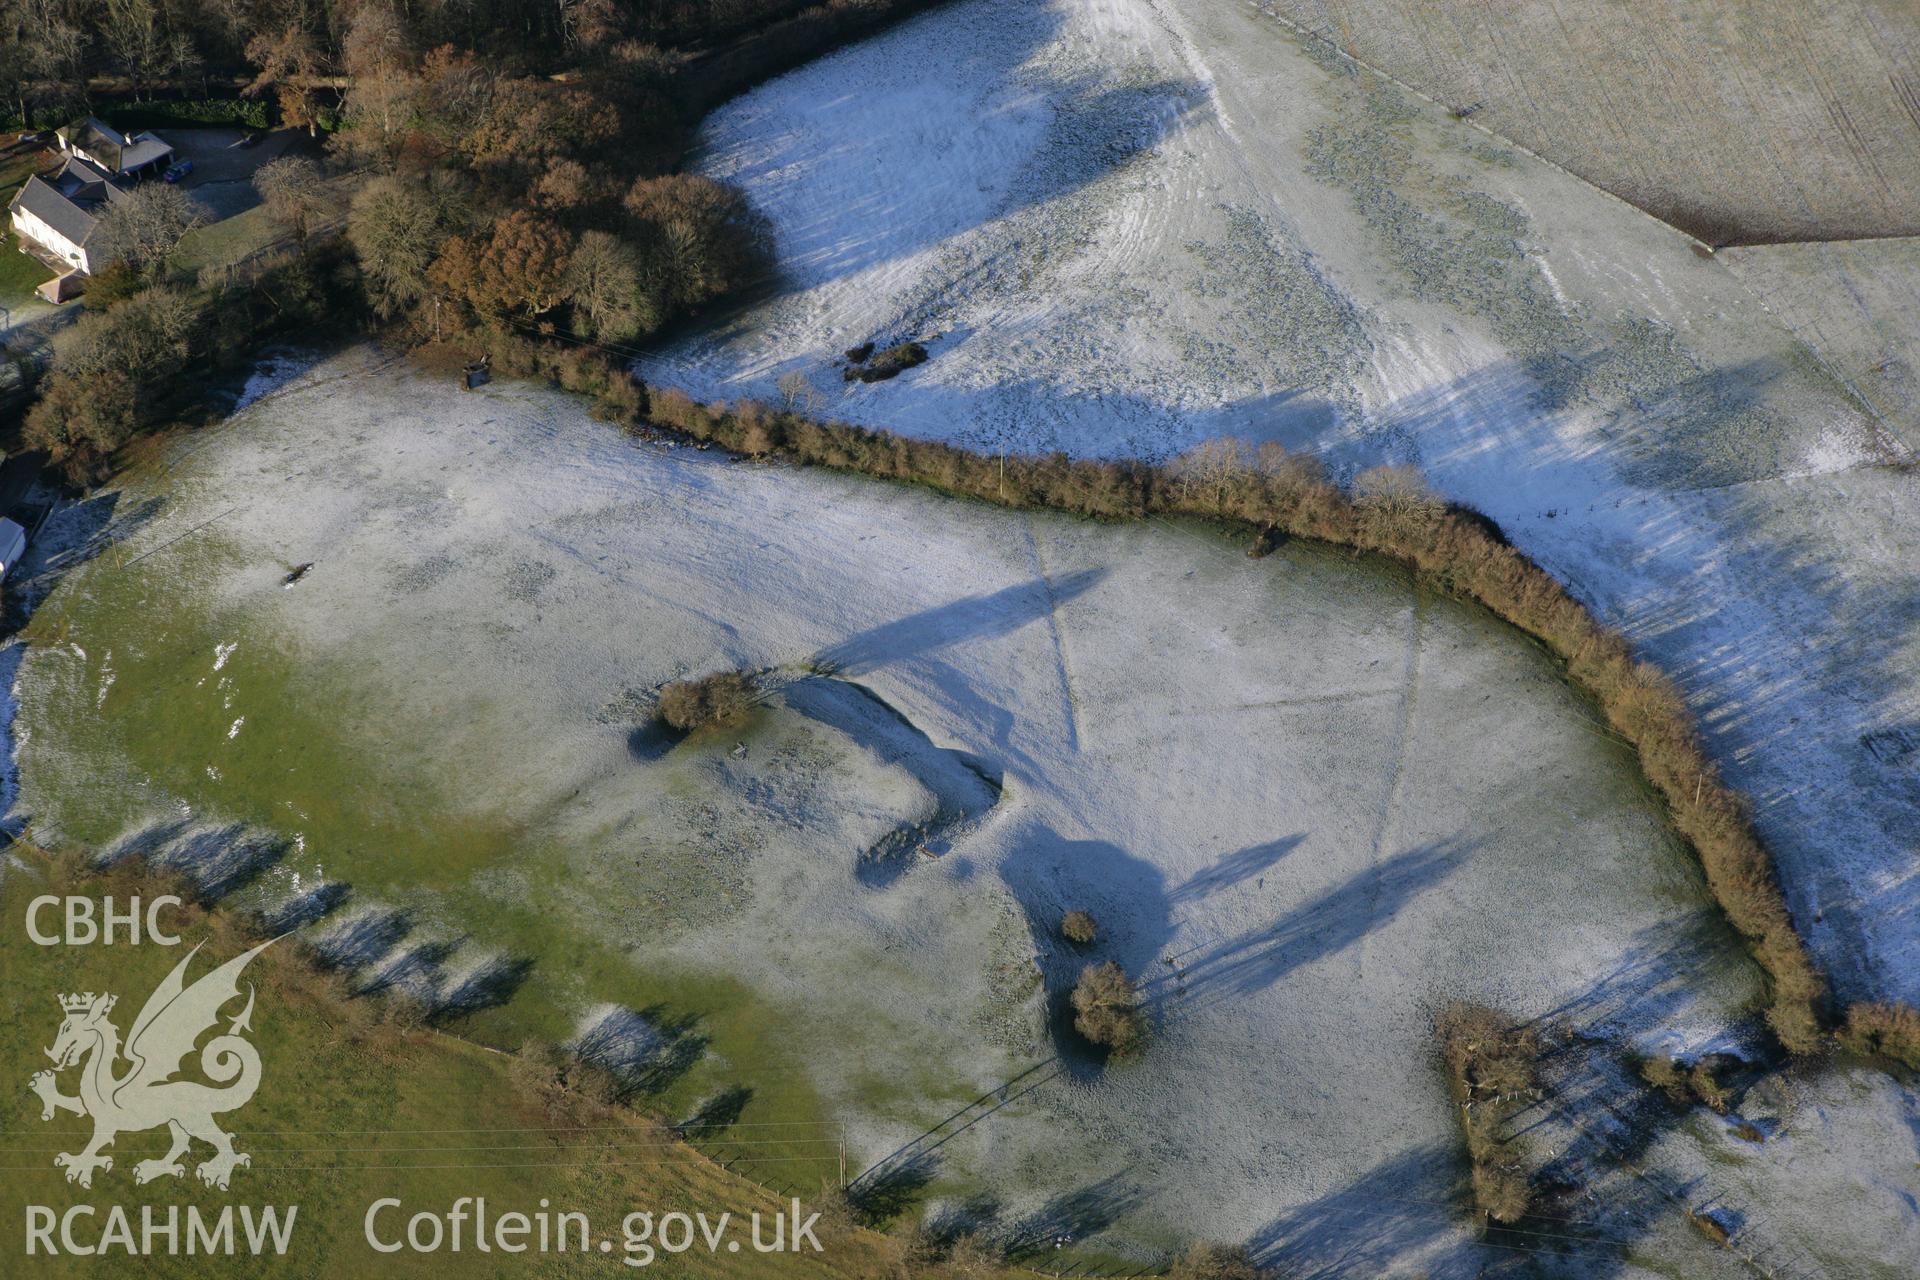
(144, 712)
(20, 273)
(225, 242)
(351, 1110)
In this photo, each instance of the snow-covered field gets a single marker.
(1305, 802)
(1749, 120)
(1122, 226)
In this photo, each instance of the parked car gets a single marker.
(177, 171)
(13, 545)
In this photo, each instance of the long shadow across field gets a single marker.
(1089, 127)
(1324, 925)
(1049, 876)
(976, 617)
(74, 536)
(1250, 863)
(1405, 1207)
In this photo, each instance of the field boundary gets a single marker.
(1390, 513)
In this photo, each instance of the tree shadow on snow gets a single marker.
(1410, 1206)
(1249, 863)
(76, 534)
(958, 622)
(646, 1052)
(1071, 1217)
(717, 1114)
(1050, 876)
(1320, 927)
(870, 148)
(653, 740)
(888, 1192)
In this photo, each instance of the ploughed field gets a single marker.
(1306, 801)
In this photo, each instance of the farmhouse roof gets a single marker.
(117, 151)
(97, 138)
(70, 204)
(142, 149)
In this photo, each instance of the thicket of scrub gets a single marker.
(1490, 1062)
(722, 700)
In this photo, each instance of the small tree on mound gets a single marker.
(1206, 1261)
(1079, 927)
(1106, 1009)
(722, 700)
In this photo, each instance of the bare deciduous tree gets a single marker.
(397, 227)
(107, 368)
(295, 191)
(1106, 1009)
(603, 283)
(1210, 474)
(376, 54)
(797, 392)
(144, 226)
(1395, 498)
(290, 61)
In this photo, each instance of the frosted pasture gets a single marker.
(1306, 801)
(1122, 226)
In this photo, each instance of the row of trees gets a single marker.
(434, 254)
(54, 54)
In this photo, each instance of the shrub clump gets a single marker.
(1883, 1030)
(1106, 1010)
(1490, 1064)
(1206, 1261)
(891, 363)
(1683, 1084)
(722, 700)
(1079, 927)
(561, 1082)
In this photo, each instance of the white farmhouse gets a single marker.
(60, 214)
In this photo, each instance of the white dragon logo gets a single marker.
(147, 1095)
